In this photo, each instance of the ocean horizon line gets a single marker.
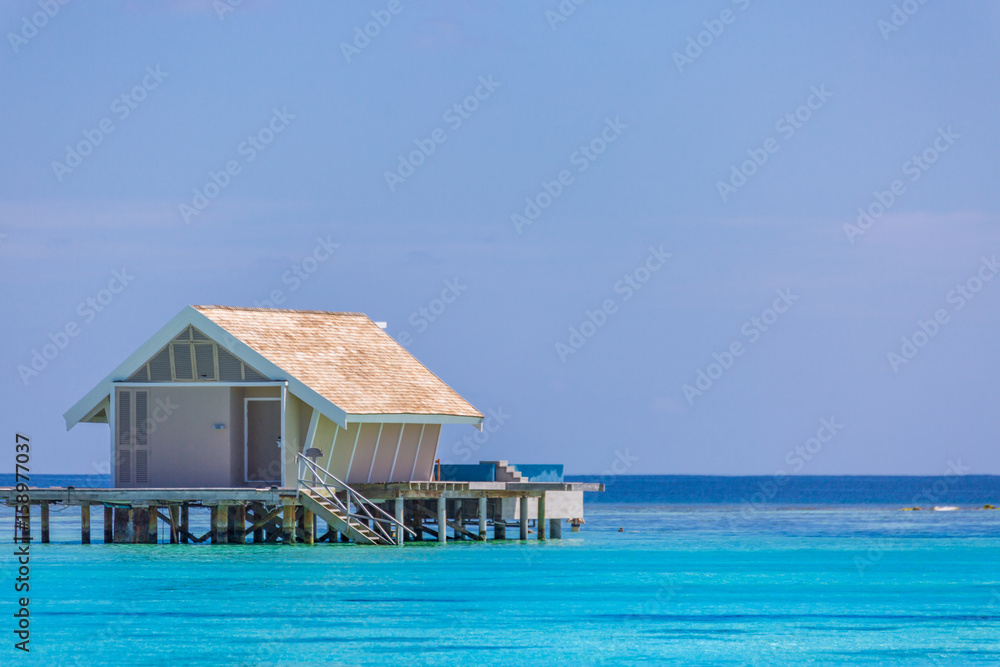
(617, 476)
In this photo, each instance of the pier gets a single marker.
(378, 514)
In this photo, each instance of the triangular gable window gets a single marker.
(194, 357)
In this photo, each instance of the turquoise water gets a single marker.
(680, 585)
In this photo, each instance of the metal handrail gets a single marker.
(332, 485)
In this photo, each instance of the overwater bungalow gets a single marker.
(272, 418)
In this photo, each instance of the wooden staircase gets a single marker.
(361, 520)
(355, 531)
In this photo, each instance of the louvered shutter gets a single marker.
(141, 418)
(132, 462)
(182, 361)
(123, 463)
(125, 418)
(204, 355)
(192, 356)
(141, 438)
(230, 368)
(124, 467)
(141, 467)
(252, 375)
(159, 367)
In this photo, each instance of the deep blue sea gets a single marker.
(667, 570)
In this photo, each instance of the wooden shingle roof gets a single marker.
(344, 357)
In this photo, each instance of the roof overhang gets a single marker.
(410, 418)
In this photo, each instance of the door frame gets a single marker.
(246, 438)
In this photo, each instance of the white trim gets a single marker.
(347, 475)
(246, 446)
(284, 439)
(246, 438)
(311, 431)
(437, 446)
(412, 419)
(392, 471)
(114, 440)
(202, 383)
(416, 456)
(374, 453)
(333, 444)
(97, 408)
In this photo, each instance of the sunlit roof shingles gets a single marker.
(345, 357)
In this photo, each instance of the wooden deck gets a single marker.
(282, 515)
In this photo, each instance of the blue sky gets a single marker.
(620, 127)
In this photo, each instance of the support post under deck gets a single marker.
(85, 523)
(309, 526)
(237, 524)
(122, 525)
(442, 522)
(399, 518)
(541, 517)
(175, 521)
(136, 526)
(524, 517)
(220, 524)
(45, 523)
(152, 537)
(482, 518)
(185, 522)
(25, 522)
(287, 521)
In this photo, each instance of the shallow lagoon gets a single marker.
(696, 584)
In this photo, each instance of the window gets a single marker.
(194, 357)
